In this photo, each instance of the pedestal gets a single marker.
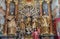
(28, 37)
(46, 36)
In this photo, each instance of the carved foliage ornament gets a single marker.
(32, 9)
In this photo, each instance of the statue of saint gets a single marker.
(45, 24)
(11, 25)
(28, 25)
(22, 26)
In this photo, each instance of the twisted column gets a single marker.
(16, 11)
(41, 13)
(7, 14)
(50, 15)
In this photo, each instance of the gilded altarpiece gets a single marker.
(35, 13)
(28, 15)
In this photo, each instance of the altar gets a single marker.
(28, 19)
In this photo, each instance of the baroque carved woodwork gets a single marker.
(28, 15)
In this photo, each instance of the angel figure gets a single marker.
(11, 25)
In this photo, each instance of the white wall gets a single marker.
(54, 5)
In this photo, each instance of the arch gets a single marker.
(12, 8)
